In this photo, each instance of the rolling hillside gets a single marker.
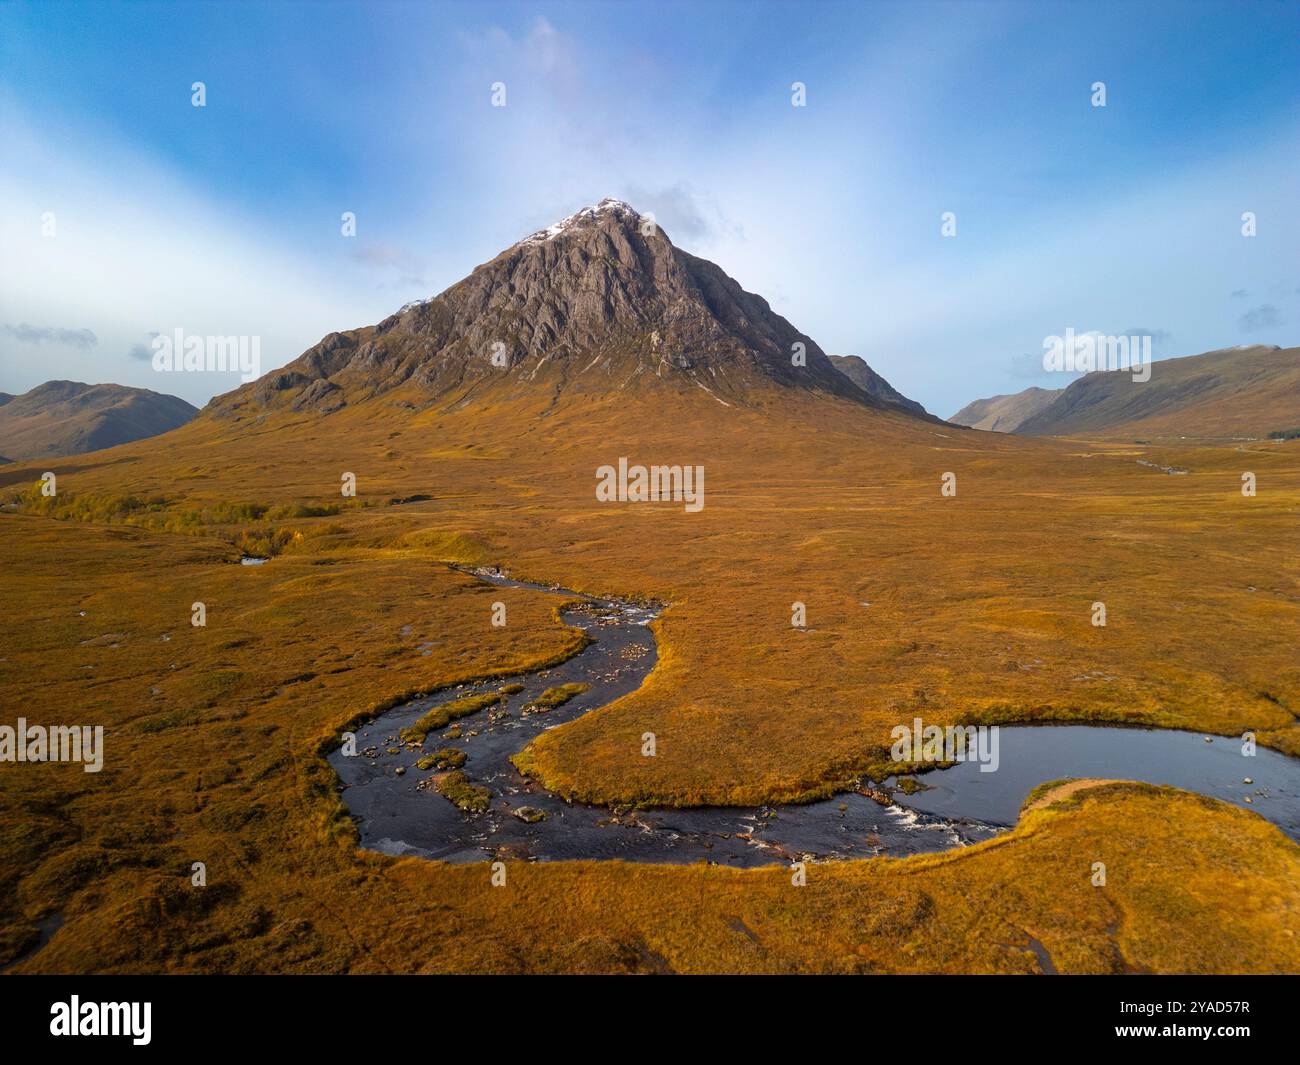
(1004, 414)
(1243, 392)
(69, 418)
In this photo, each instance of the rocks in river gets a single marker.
(433, 747)
(1247, 780)
(876, 795)
(529, 814)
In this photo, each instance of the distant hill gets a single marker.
(855, 368)
(1235, 392)
(68, 418)
(1004, 414)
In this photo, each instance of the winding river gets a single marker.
(398, 811)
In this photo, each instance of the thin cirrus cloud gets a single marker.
(397, 267)
(139, 251)
(1265, 316)
(82, 339)
(685, 212)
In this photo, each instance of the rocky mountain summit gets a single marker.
(600, 302)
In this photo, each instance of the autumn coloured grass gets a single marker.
(969, 608)
(457, 789)
(445, 714)
(559, 695)
(448, 758)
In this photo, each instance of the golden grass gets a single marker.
(979, 611)
(448, 758)
(444, 714)
(560, 694)
(457, 788)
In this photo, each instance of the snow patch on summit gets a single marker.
(592, 213)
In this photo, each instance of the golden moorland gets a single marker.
(970, 608)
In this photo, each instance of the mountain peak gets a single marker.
(607, 207)
(599, 303)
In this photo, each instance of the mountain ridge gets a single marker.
(1003, 413)
(856, 369)
(61, 418)
(1230, 392)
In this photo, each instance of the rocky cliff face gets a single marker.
(602, 301)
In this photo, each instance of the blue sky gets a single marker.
(225, 219)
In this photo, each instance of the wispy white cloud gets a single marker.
(83, 339)
(136, 250)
